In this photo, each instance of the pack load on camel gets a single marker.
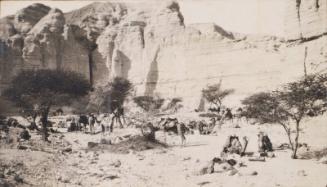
(206, 128)
(234, 146)
(172, 125)
(149, 131)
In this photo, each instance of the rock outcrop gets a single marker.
(306, 33)
(305, 19)
(151, 46)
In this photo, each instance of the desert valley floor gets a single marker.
(70, 160)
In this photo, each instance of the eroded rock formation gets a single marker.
(151, 46)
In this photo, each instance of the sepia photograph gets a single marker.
(163, 93)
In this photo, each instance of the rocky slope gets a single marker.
(151, 46)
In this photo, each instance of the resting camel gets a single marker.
(233, 145)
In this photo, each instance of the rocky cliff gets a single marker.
(151, 46)
(306, 33)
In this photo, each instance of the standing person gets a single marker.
(106, 123)
(100, 121)
(78, 123)
(118, 114)
(73, 125)
(228, 114)
(201, 125)
(181, 129)
(83, 120)
(115, 118)
(91, 122)
(122, 114)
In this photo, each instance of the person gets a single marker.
(116, 118)
(100, 121)
(264, 143)
(103, 129)
(83, 120)
(201, 126)
(92, 122)
(181, 128)
(73, 125)
(228, 114)
(211, 125)
(106, 120)
(121, 112)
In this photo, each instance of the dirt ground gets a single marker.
(68, 161)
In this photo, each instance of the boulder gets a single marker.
(115, 163)
(92, 144)
(67, 150)
(232, 172)
(22, 147)
(105, 141)
(18, 179)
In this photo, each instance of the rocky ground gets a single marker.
(71, 160)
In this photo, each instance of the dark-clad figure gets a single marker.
(181, 128)
(264, 143)
(228, 114)
(92, 120)
(83, 120)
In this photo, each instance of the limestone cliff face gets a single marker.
(306, 31)
(164, 57)
(305, 19)
(43, 43)
(151, 46)
(13, 30)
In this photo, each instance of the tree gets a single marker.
(290, 105)
(41, 89)
(149, 103)
(215, 94)
(261, 106)
(151, 106)
(111, 97)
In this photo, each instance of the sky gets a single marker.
(243, 16)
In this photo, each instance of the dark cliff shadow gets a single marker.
(125, 63)
(99, 68)
(152, 77)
